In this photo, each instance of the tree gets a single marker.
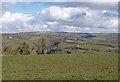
(24, 49)
(43, 46)
(38, 49)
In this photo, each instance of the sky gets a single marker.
(79, 17)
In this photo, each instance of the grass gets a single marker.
(69, 44)
(101, 47)
(34, 38)
(86, 66)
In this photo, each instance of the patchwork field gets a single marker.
(58, 43)
(82, 66)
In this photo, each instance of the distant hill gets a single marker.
(58, 43)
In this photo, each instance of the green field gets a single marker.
(83, 66)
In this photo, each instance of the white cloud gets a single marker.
(9, 17)
(18, 26)
(14, 21)
(58, 14)
(69, 19)
(52, 23)
(105, 11)
(61, 13)
(69, 27)
(74, 17)
(45, 26)
(87, 28)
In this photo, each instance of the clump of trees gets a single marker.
(24, 49)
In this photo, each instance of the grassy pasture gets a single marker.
(83, 66)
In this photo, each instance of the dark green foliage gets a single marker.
(43, 46)
(24, 49)
(38, 50)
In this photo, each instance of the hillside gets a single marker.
(53, 43)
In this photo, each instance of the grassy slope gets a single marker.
(101, 66)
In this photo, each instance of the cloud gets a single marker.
(57, 13)
(61, 1)
(14, 22)
(52, 23)
(45, 26)
(79, 17)
(107, 5)
(67, 19)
